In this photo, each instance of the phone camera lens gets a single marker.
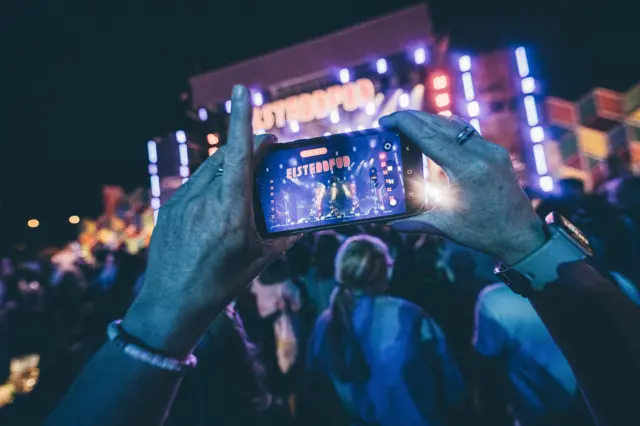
(387, 146)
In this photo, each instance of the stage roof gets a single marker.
(392, 33)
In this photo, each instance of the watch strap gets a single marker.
(540, 268)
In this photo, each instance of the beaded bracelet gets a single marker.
(117, 335)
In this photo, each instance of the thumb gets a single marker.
(277, 247)
(433, 222)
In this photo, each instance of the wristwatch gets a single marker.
(565, 243)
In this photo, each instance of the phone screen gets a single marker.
(332, 181)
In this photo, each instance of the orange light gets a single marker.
(33, 223)
(440, 82)
(446, 113)
(74, 219)
(442, 100)
(313, 152)
(213, 139)
(212, 150)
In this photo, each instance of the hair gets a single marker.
(275, 273)
(361, 264)
(628, 195)
(572, 184)
(326, 248)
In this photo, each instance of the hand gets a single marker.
(490, 211)
(205, 248)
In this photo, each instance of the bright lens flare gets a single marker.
(440, 195)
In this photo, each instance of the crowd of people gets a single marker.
(487, 355)
(361, 326)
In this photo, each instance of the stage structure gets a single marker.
(345, 81)
(595, 137)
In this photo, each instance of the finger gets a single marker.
(433, 222)
(278, 246)
(434, 137)
(261, 144)
(476, 142)
(236, 179)
(202, 177)
(275, 248)
(208, 170)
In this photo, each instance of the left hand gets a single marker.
(205, 248)
(491, 212)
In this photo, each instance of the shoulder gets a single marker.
(403, 306)
(492, 292)
(499, 303)
(493, 298)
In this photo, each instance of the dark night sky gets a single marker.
(87, 86)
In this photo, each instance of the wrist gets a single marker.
(523, 244)
(173, 332)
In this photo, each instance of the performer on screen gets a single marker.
(316, 204)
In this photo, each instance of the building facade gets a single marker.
(595, 137)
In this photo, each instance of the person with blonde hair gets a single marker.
(386, 359)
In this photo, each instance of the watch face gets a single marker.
(572, 232)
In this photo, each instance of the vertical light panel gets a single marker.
(536, 132)
(183, 151)
(152, 151)
(473, 107)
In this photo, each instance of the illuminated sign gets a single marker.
(318, 167)
(315, 105)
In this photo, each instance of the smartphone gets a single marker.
(337, 180)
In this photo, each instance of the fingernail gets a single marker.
(238, 91)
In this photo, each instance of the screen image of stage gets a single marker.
(337, 180)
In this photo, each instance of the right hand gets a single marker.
(490, 211)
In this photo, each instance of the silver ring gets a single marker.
(465, 134)
(219, 172)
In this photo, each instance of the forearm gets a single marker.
(596, 327)
(115, 389)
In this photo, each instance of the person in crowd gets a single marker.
(516, 351)
(228, 387)
(270, 312)
(627, 203)
(320, 280)
(617, 169)
(386, 358)
(108, 270)
(28, 324)
(6, 272)
(422, 276)
(299, 259)
(205, 250)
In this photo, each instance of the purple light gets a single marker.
(541, 161)
(344, 76)
(546, 183)
(521, 61)
(465, 63)
(257, 99)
